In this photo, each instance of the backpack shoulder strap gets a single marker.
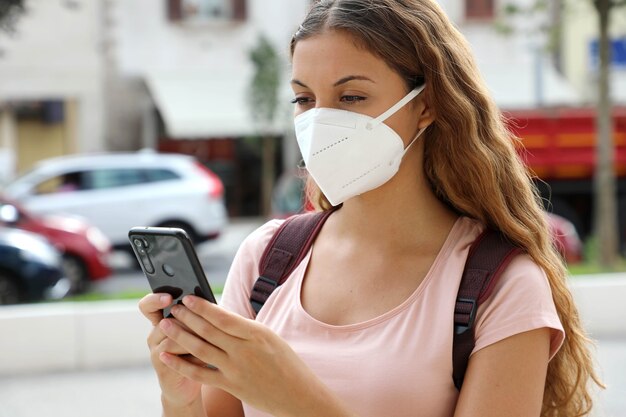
(489, 255)
(289, 245)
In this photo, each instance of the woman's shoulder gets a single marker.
(521, 301)
(244, 269)
(257, 240)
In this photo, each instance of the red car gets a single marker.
(84, 247)
(565, 238)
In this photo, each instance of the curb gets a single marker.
(601, 302)
(105, 334)
(72, 336)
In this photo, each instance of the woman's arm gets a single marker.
(218, 403)
(507, 378)
(253, 364)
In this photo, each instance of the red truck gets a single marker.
(559, 147)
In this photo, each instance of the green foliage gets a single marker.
(122, 295)
(511, 10)
(266, 81)
(96, 296)
(588, 268)
(10, 10)
(591, 263)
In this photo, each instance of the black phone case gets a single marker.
(170, 263)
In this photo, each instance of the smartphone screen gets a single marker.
(170, 263)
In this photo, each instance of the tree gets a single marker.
(605, 222)
(605, 193)
(10, 10)
(264, 103)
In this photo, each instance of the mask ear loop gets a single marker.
(414, 139)
(377, 121)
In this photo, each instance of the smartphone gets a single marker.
(170, 263)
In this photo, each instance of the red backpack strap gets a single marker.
(284, 252)
(488, 257)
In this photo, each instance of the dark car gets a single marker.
(85, 248)
(30, 268)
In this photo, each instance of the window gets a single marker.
(198, 11)
(71, 181)
(156, 174)
(479, 9)
(109, 178)
(45, 111)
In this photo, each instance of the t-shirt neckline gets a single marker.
(447, 246)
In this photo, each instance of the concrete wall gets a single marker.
(77, 336)
(72, 336)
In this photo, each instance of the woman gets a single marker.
(336, 339)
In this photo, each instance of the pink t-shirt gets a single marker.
(400, 362)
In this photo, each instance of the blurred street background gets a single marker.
(117, 113)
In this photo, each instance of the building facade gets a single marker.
(175, 75)
(580, 51)
(51, 90)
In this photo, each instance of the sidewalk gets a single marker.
(134, 391)
(131, 392)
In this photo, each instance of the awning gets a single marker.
(204, 104)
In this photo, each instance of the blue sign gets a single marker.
(618, 53)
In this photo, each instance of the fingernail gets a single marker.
(188, 300)
(164, 299)
(165, 324)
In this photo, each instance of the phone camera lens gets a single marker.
(138, 243)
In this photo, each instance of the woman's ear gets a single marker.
(426, 114)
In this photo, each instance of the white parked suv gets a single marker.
(116, 191)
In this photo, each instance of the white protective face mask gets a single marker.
(348, 153)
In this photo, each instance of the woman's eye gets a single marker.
(301, 100)
(352, 99)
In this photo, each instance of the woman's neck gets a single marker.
(400, 214)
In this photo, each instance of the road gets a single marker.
(215, 256)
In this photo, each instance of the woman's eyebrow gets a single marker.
(300, 83)
(340, 81)
(352, 78)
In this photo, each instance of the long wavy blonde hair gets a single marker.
(469, 155)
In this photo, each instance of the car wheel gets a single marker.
(9, 291)
(76, 271)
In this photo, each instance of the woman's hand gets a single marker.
(177, 390)
(247, 360)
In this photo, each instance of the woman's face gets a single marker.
(331, 71)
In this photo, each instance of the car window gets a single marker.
(109, 178)
(158, 174)
(71, 181)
